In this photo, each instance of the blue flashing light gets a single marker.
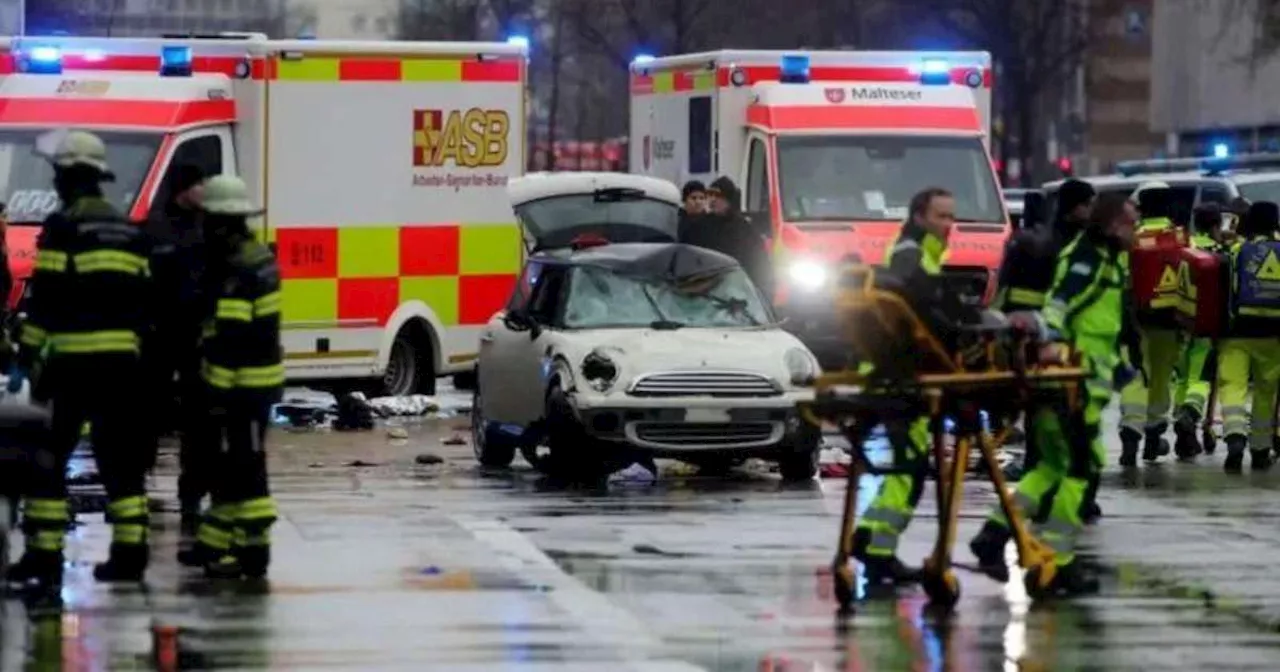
(44, 61)
(1221, 151)
(175, 61)
(519, 41)
(935, 71)
(641, 59)
(794, 69)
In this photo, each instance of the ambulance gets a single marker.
(382, 167)
(828, 148)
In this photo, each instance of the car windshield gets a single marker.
(600, 298)
(1260, 191)
(619, 215)
(866, 178)
(26, 178)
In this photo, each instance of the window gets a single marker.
(524, 289)
(546, 295)
(1268, 190)
(1212, 193)
(204, 151)
(700, 135)
(757, 178)
(600, 298)
(620, 215)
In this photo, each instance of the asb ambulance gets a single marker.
(382, 167)
(828, 148)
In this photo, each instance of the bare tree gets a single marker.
(440, 19)
(617, 28)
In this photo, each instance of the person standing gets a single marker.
(1197, 367)
(726, 230)
(87, 313)
(243, 370)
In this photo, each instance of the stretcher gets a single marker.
(985, 362)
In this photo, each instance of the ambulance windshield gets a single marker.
(872, 178)
(26, 178)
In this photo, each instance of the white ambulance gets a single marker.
(828, 148)
(382, 167)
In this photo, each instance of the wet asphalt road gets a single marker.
(386, 564)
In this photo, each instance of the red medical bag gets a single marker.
(1203, 284)
(1154, 265)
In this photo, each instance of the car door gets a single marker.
(501, 351)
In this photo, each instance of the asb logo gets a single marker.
(473, 138)
(834, 96)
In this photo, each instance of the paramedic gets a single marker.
(244, 374)
(1251, 349)
(1145, 402)
(917, 252)
(726, 230)
(171, 356)
(87, 313)
(1086, 307)
(1196, 369)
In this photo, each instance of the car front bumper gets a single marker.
(682, 425)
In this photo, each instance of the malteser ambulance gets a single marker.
(828, 148)
(382, 167)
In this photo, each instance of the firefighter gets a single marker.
(244, 375)
(1251, 348)
(177, 263)
(918, 251)
(1146, 401)
(86, 315)
(1191, 395)
(1086, 307)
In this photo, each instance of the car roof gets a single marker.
(537, 186)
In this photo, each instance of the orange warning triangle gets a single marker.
(1168, 280)
(1184, 279)
(1270, 268)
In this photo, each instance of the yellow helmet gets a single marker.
(75, 148)
(226, 195)
(1150, 184)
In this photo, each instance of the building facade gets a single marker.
(1117, 85)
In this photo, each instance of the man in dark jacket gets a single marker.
(727, 230)
(171, 355)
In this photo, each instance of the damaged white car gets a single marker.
(620, 344)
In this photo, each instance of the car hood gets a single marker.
(640, 351)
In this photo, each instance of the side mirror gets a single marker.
(517, 320)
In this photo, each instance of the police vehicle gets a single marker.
(1222, 179)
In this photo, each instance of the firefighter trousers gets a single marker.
(1195, 377)
(1144, 405)
(101, 390)
(1240, 359)
(199, 437)
(241, 511)
(1071, 457)
(890, 512)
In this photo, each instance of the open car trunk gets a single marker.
(617, 214)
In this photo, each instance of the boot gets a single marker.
(1090, 512)
(1187, 445)
(36, 571)
(1155, 446)
(126, 563)
(1234, 464)
(254, 561)
(1260, 460)
(880, 569)
(1129, 441)
(1072, 579)
(190, 521)
(988, 547)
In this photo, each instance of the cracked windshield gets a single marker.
(26, 177)
(599, 298)
(824, 178)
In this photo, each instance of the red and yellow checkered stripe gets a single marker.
(356, 275)
(308, 68)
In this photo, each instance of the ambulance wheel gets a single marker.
(410, 367)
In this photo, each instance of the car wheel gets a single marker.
(492, 446)
(409, 369)
(798, 459)
(573, 455)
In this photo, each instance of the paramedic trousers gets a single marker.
(1145, 407)
(1240, 359)
(241, 513)
(1195, 379)
(1071, 457)
(101, 390)
(890, 512)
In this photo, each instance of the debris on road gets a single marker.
(397, 433)
(455, 440)
(636, 474)
(428, 458)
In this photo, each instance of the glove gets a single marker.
(16, 378)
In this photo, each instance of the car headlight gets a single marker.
(808, 274)
(599, 370)
(801, 366)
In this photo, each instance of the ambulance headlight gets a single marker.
(807, 274)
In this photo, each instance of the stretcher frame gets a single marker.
(854, 402)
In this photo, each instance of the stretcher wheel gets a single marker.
(1038, 581)
(943, 589)
(1208, 441)
(842, 585)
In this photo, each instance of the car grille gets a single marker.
(970, 283)
(706, 435)
(704, 383)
